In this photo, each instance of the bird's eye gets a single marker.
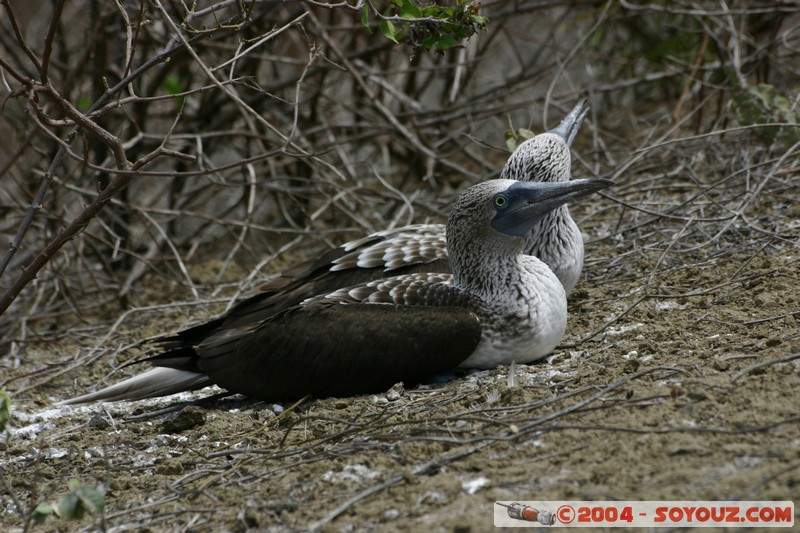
(500, 200)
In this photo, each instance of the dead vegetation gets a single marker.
(161, 160)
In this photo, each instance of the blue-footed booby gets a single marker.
(497, 306)
(555, 239)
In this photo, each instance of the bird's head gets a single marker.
(500, 213)
(518, 207)
(545, 157)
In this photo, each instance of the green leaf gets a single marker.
(410, 10)
(389, 31)
(365, 16)
(69, 506)
(172, 84)
(479, 20)
(92, 498)
(42, 511)
(511, 144)
(428, 42)
(525, 133)
(83, 104)
(5, 410)
(516, 137)
(446, 42)
(461, 32)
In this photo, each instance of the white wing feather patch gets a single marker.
(395, 249)
(390, 290)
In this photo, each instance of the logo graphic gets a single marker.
(527, 513)
(644, 514)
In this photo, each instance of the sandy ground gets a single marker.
(687, 389)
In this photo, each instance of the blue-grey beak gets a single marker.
(520, 207)
(571, 124)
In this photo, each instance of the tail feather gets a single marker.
(155, 382)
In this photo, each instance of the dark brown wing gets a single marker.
(339, 350)
(389, 253)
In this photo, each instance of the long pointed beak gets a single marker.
(524, 204)
(569, 127)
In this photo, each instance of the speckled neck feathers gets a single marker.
(482, 260)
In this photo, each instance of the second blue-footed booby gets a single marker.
(556, 239)
(498, 306)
